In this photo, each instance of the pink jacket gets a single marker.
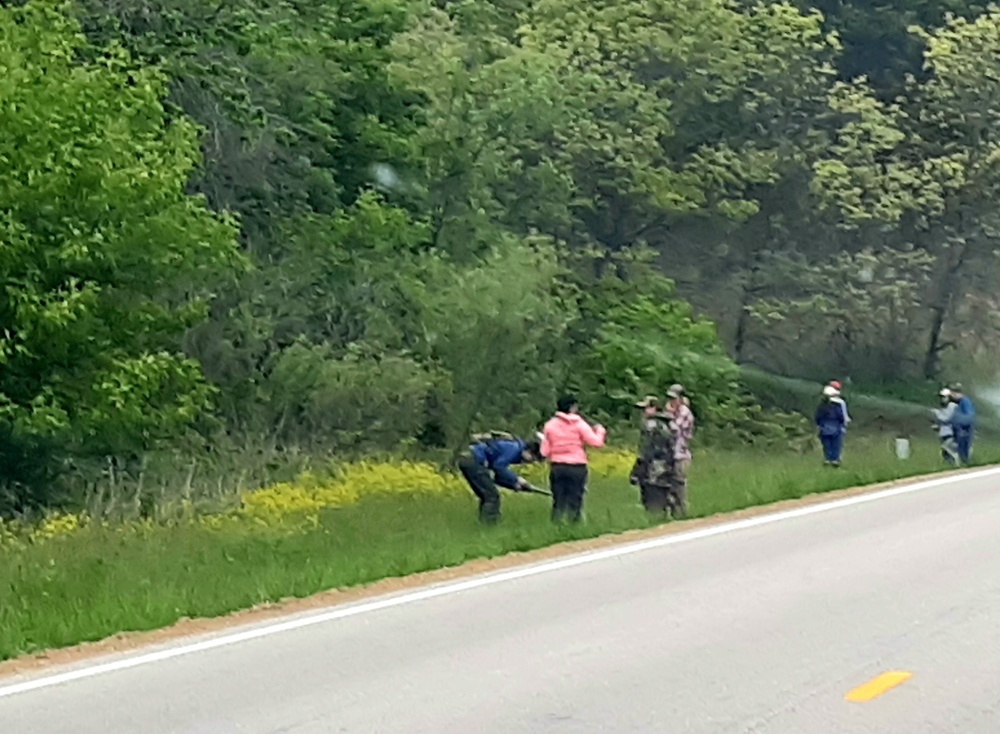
(566, 434)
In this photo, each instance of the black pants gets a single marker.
(656, 498)
(482, 484)
(568, 483)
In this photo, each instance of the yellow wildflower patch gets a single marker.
(294, 506)
(611, 463)
(308, 495)
(602, 463)
(57, 525)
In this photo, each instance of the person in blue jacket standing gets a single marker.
(963, 421)
(487, 464)
(831, 423)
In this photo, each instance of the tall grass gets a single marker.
(95, 583)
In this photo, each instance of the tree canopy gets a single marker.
(353, 225)
(107, 259)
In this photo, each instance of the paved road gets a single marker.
(763, 630)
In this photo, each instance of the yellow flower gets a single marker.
(303, 499)
(280, 499)
(602, 463)
(57, 525)
(611, 463)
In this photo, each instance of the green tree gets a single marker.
(925, 168)
(297, 110)
(336, 284)
(958, 113)
(358, 399)
(686, 107)
(294, 99)
(860, 312)
(106, 258)
(644, 345)
(499, 328)
(878, 44)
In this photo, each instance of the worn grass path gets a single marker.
(95, 584)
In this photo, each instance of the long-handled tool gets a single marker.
(534, 490)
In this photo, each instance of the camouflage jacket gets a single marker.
(655, 463)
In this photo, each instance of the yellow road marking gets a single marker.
(878, 685)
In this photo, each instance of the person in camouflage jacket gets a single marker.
(654, 468)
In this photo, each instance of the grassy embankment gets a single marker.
(74, 585)
(897, 410)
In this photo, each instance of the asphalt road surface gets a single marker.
(762, 630)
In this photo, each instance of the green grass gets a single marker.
(91, 585)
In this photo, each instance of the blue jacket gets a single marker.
(965, 413)
(499, 456)
(830, 419)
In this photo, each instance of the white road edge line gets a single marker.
(480, 581)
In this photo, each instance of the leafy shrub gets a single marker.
(498, 327)
(752, 425)
(357, 400)
(643, 346)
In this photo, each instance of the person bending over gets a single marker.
(487, 464)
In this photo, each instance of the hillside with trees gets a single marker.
(247, 231)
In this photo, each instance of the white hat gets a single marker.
(945, 393)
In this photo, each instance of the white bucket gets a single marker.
(903, 448)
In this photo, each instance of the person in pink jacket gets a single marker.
(565, 438)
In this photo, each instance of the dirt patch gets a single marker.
(125, 642)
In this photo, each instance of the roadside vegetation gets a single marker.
(267, 266)
(72, 579)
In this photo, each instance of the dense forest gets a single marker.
(356, 225)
